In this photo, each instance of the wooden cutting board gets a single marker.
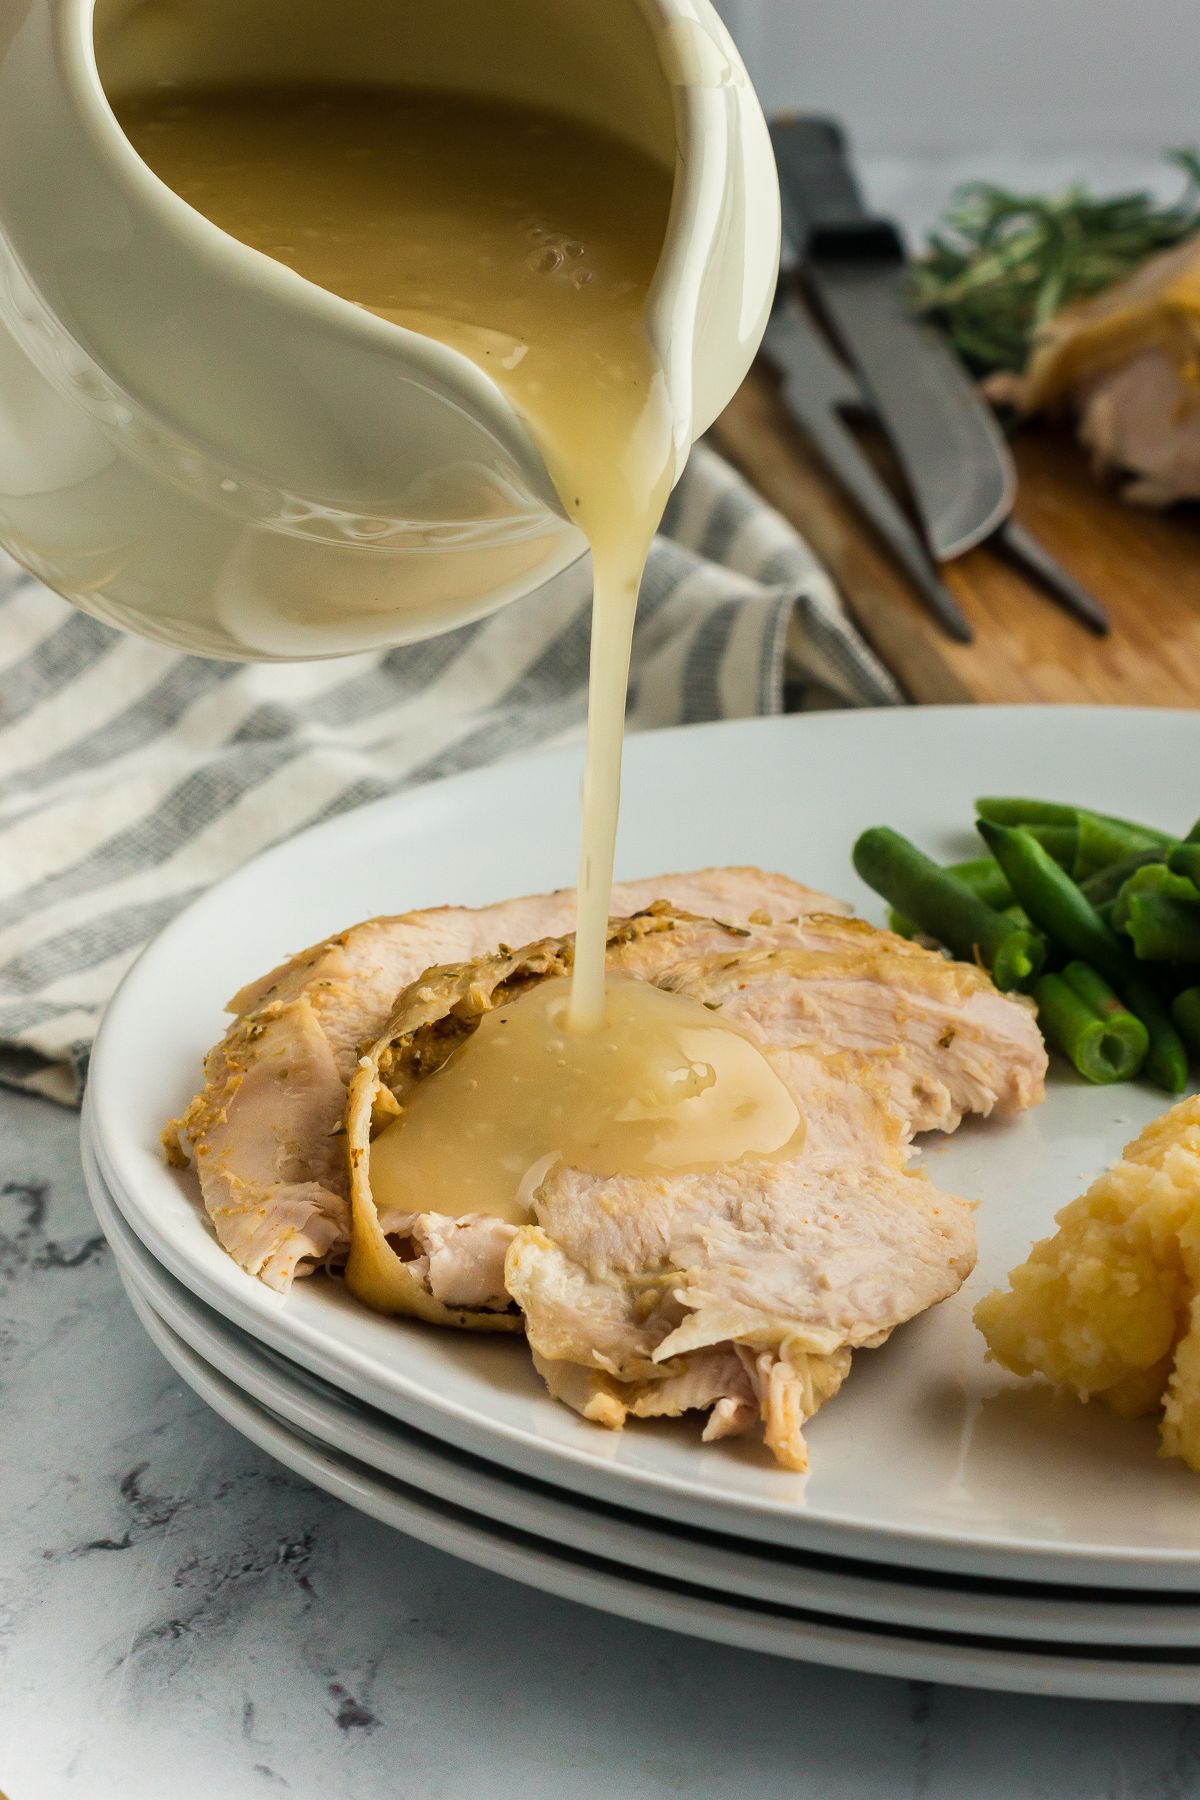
(1144, 566)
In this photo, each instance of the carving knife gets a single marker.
(818, 388)
(954, 457)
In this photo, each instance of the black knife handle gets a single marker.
(824, 214)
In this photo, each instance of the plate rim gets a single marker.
(985, 1665)
(221, 1345)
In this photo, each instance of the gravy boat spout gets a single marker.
(200, 445)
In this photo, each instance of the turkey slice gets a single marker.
(266, 1133)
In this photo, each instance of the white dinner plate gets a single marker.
(1062, 1670)
(843, 1591)
(929, 1457)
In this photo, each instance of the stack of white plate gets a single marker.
(953, 1526)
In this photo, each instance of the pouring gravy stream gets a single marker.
(528, 242)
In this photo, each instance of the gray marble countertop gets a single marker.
(179, 1615)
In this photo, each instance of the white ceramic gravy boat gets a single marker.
(198, 444)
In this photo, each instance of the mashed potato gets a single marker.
(1110, 1305)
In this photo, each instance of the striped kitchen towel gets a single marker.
(132, 777)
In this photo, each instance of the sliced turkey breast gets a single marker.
(739, 1291)
(791, 1265)
(266, 1131)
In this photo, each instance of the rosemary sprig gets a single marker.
(1002, 263)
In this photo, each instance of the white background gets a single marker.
(1008, 76)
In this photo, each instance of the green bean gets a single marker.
(1164, 929)
(1193, 836)
(1185, 1014)
(985, 878)
(1166, 1061)
(1062, 841)
(1059, 909)
(945, 907)
(1092, 989)
(1106, 883)
(1009, 810)
(1185, 860)
(1082, 840)
(1155, 878)
(1005, 809)
(1053, 901)
(1082, 1017)
(1101, 841)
